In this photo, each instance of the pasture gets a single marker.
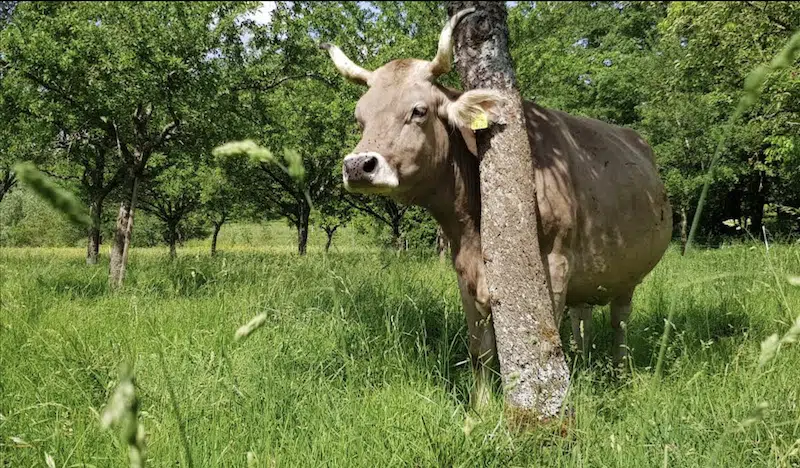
(363, 362)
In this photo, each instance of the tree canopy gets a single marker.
(112, 99)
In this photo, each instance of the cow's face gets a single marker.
(406, 121)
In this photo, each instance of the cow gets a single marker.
(604, 217)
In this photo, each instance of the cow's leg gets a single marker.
(620, 313)
(482, 347)
(581, 317)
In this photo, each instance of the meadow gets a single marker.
(363, 362)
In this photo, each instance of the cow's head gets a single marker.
(406, 119)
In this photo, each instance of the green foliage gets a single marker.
(674, 71)
(752, 90)
(419, 229)
(90, 91)
(26, 220)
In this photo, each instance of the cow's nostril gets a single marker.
(370, 164)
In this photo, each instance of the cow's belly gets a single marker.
(612, 239)
(610, 270)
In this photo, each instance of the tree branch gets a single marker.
(61, 177)
(166, 133)
(55, 89)
(365, 208)
(277, 177)
(284, 208)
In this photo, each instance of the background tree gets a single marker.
(742, 35)
(173, 194)
(333, 214)
(442, 244)
(91, 91)
(86, 159)
(222, 201)
(136, 72)
(384, 210)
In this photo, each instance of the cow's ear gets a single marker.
(472, 110)
(473, 105)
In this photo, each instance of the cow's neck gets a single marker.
(456, 202)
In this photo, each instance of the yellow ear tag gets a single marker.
(480, 121)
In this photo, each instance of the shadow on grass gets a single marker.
(87, 282)
(701, 330)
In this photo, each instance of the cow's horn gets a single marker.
(346, 67)
(444, 55)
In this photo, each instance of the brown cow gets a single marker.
(605, 220)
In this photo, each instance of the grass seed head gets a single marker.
(58, 197)
(122, 410)
(250, 148)
(756, 415)
(769, 348)
(793, 334)
(245, 330)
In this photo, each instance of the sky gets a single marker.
(263, 15)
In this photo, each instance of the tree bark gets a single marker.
(532, 364)
(397, 235)
(7, 181)
(122, 237)
(755, 203)
(330, 233)
(93, 234)
(684, 226)
(302, 230)
(442, 244)
(173, 240)
(217, 227)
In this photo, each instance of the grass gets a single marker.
(362, 361)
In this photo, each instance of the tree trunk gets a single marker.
(7, 181)
(532, 364)
(93, 243)
(122, 237)
(684, 225)
(330, 233)
(755, 209)
(302, 230)
(442, 244)
(217, 227)
(173, 240)
(397, 235)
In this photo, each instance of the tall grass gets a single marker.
(361, 360)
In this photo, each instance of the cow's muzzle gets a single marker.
(368, 173)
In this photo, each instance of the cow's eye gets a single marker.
(419, 111)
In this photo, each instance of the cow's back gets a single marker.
(601, 202)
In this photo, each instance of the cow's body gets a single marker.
(605, 220)
(602, 204)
